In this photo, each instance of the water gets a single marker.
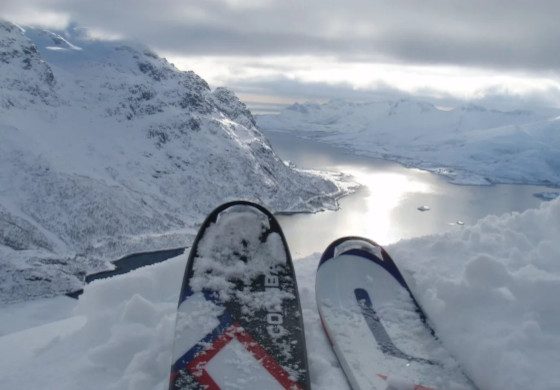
(385, 209)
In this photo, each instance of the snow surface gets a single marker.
(490, 290)
(468, 144)
(107, 149)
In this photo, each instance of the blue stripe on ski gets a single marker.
(378, 330)
(225, 321)
(386, 262)
(185, 294)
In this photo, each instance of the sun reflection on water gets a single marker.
(384, 192)
(389, 205)
(369, 213)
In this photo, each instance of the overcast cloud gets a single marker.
(494, 37)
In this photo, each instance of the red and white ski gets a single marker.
(239, 323)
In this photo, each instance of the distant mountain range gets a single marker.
(108, 149)
(469, 144)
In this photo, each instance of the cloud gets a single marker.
(503, 34)
(438, 48)
(326, 77)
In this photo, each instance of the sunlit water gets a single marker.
(385, 209)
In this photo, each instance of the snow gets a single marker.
(222, 242)
(469, 144)
(107, 149)
(489, 289)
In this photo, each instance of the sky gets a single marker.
(274, 52)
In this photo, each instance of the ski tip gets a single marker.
(232, 219)
(238, 206)
(358, 246)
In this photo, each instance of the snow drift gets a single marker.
(490, 290)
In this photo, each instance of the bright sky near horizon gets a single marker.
(503, 52)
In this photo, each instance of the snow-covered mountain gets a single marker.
(107, 149)
(469, 144)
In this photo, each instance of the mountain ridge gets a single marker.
(468, 144)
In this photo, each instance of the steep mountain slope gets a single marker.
(107, 149)
(469, 144)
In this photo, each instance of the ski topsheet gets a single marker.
(239, 323)
(377, 330)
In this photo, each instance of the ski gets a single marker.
(378, 332)
(239, 323)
